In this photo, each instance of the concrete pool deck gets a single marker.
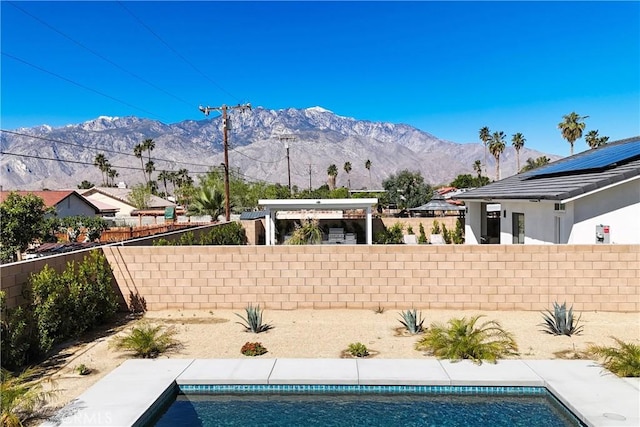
(123, 397)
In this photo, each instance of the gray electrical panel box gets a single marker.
(602, 233)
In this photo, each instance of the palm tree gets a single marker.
(594, 140)
(332, 171)
(137, 151)
(100, 162)
(518, 140)
(367, 165)
(485, 137)
(149, 167)
(572, 127)
(496, 147)
(22, 396)
(347, 169)
(208, 201)
(477, 167)
(535, 163)
(164, 176)
(112, 173)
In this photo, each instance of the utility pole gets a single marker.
(226, 125)
(287, 139)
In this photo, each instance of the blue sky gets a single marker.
(447, 68)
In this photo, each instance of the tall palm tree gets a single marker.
(100, 162)
(485, 137)
(518, 140)
(347, 169)
(137, 151)
(535, 163)
(113, 174)
(367, 165)
(332, 172)
(572, 127)
(496, 147)
(164, 176)
(477, 167)
(594, 140)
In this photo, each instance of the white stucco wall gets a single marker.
(473, 223)
(124, 208)
(539, 222)
(617, 207)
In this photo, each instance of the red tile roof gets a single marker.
(51, 198)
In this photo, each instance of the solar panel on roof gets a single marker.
(595, 159)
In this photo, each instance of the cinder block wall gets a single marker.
(478, 277)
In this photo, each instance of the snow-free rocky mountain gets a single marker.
(257, 150)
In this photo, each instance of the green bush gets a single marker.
(458, 234)
(358, 349)
(253, 349)
(230, 233)
(463, 339)
(435, 228)
(60, 306)
(147, 341)
(446, 234)
(623, 360)
(390, 236)
(422, 238)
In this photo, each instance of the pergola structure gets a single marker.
(272, 206)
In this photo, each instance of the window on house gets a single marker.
(517, 225)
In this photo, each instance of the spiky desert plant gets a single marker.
(623, 360)
(358, 349)
(253, 320)
(560, 321)
(412, 320)
(22, 396)
(147, 341)
(462, 339)
(307, 233)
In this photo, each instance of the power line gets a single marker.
(235, 150)
(176, 52)
(15, 58)
(99, 55)
(106, 150)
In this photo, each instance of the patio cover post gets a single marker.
(369, 227)
(267, 228)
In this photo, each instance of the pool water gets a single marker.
(343, 409)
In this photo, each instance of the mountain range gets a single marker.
(62, 157)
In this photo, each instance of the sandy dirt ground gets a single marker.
(321, 334)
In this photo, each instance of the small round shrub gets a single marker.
(253, 349)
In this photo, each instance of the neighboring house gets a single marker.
(591, 197)
(66, 203)
(117, 198)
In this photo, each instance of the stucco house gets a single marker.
(118, 199)
(591, 197)
(66, 202)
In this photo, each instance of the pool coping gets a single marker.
(123, 397)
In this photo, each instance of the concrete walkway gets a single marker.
(124, 396)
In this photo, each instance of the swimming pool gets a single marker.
(229, 405)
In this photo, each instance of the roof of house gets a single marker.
(121, 194)
(50, 198)
(437, 203)
(569, 177)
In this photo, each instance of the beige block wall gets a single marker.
(474, 277)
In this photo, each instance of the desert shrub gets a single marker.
(22, 397)
(623, 359)
(462, 339)
(422, 238)
(253, 349)
(252, 322)
(390, 236)
(560, 321)
(412, 321)
(82, 369)
(457, 236)
(358, 349)
(69, 303)
(231, 233)
(187, 239)
(161, 242)
(147, 341)
(19, 343)
(410, 230)
(307, 233)
(435, 228)
(446, 234)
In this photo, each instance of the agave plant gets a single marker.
(253, 320)
(147, 341)
(412, 321)
(22, 396)
(462, 339)
(623, 360)
(560, 321)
